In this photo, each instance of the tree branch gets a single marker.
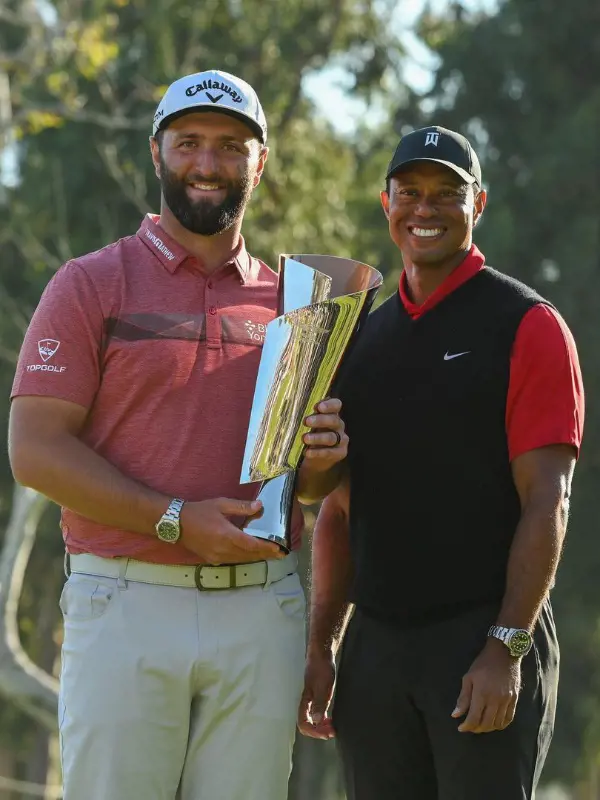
(132, 186)
(21, 681)
(114, 121)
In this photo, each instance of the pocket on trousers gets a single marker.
(85, 598)
(289, 596)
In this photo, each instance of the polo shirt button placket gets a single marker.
(213, 323)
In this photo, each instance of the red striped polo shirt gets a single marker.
(165, 358)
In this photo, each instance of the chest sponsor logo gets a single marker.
(449, 356)
(256, 331)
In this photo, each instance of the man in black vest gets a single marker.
(446, 535)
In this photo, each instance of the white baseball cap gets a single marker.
(215, 90)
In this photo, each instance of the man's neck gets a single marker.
(422, 280)
(211, 251)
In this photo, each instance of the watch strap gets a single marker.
(504, 634)
(173, 511)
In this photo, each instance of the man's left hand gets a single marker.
(327, 442)
(490, 690)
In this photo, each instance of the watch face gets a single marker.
(168, 531)
(520, 643)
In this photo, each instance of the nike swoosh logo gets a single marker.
(449, 357)
(214, 99)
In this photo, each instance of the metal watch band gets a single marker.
(498, 632)
(174, 510)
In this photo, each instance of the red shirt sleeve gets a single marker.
(545, 403)
(60, 355)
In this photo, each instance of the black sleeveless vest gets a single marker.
(433, 504)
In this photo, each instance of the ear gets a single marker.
(262, 160)
(385, 203)
(480, 203)
(155, 153)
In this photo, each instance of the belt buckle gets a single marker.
(202, 588)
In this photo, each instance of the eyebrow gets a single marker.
(223, 138)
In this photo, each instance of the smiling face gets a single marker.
(208, 164)
(431, 212)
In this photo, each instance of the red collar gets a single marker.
(470, 266)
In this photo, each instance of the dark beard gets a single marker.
(204, 217)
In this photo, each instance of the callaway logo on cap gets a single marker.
(440, 145)
(215, 90)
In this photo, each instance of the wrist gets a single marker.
(497, 647)
(321, 650)
(316, 481)
(155, 507)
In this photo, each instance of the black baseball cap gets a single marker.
(441, 146)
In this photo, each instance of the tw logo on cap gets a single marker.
(432, 137)
(47, 348)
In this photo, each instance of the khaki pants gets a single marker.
(175, 694)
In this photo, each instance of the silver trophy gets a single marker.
(322, 301)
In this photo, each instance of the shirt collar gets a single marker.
(171, 254)
(241, 261)
(470, 266)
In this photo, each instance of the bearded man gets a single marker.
(184, 637)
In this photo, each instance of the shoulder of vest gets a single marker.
(501, 285)
(386, 309)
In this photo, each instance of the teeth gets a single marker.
(427, 231)
(205, 187)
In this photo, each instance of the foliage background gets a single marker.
(79, 80)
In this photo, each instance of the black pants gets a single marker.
(395, 693)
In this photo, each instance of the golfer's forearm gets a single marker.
(533, 561)
(331, 575)
(68, 472)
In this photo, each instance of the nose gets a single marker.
(206, 161)
(425, 208)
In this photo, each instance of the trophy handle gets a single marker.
(277, 496)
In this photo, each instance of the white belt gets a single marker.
(203, 577)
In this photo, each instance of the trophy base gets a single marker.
(270, 537)
(273, 524)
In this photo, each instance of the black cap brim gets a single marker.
(462, 173)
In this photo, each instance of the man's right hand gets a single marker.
(206, 530)
(319, 680)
